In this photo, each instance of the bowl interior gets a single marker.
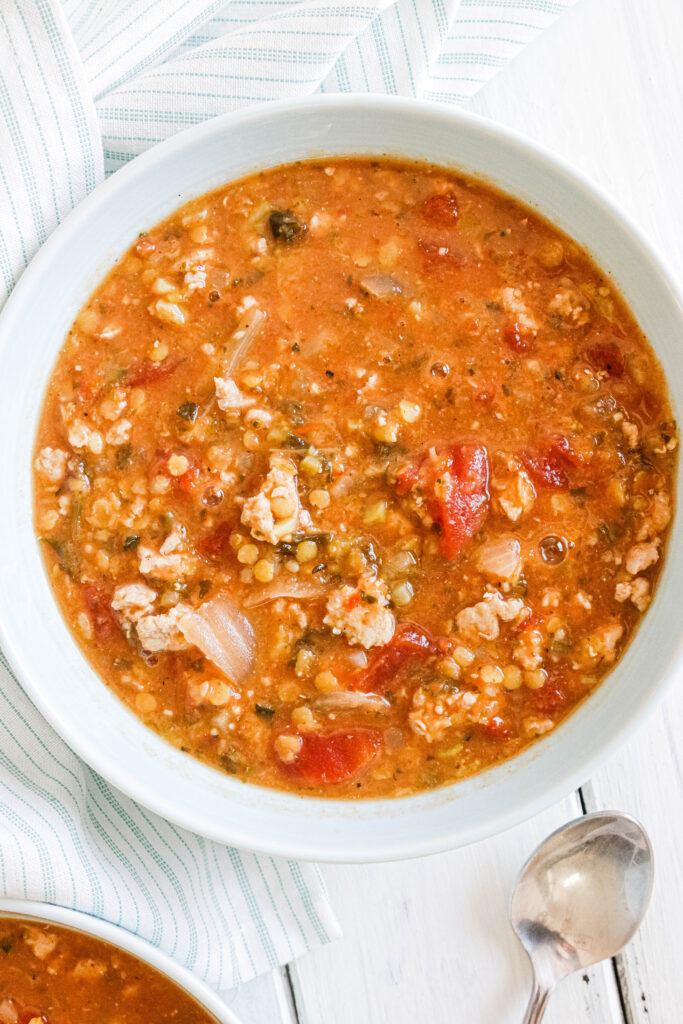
(75, 920)
(36, 639)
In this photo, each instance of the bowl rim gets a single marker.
(130, 942)
(570, 776)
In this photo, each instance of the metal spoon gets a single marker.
(580, 898)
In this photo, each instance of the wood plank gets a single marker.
(646, 779)
(429, 940)
(264, 1000)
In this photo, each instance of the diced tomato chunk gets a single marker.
(407, 478)
(440, 254)
(99, 608)
(497, 728)
(461, 496)
(546, 470)
(517, 339)
(562, 446)
(484, 396)
(216, 543)
(548, 467)
(441, 208)
(409, 642)
(189, 480)
(28, 1015)
(456, 482)
(532, 621)
(552, 696)
(336, 757)
(149, 372)
(606, 355)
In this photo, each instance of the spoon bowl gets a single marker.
(581, 897)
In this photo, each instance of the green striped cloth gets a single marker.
(86, 85)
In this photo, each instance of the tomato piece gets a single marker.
(461, 497)
(552, 696)
(439, 254)
(407, 478)
(149, 372)
(532, 621)
(497, 728)
(562, 447)
(517, 339)
(606, 355)
(545, 470)
(216, 543)
(409, 642)
(441, 208)
(548, 467)
(99, 608)
(28, 1015)
(457, 485)
(337, 757)
(484, 397)
(189, 480)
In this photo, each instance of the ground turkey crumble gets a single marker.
(361, 614)
(275, 512)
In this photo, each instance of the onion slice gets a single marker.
(500, 558)
(382, 286)
(298, 591)
(350, 700)
(224, 635)
(247, 329)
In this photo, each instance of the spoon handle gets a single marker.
(537, 1004)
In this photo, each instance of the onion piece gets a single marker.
(224, 635)
(398, 565)
(247, 329)
(382, 286)
(500, 558)
(296, 589)
(349, 700)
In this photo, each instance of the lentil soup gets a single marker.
(55, 975)
(353, 477)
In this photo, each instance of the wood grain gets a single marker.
(429, 940)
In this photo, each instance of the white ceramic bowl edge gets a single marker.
(32, 328)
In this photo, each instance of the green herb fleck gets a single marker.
(124, 454)
(294, 441)
(188, 411)
(67, 558)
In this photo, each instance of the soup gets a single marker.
(54, 975)
(353, 477)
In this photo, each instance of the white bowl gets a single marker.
(32, 631)
(187, 982)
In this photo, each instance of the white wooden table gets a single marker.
(428, 940)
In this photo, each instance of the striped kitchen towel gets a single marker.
(86, 85)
